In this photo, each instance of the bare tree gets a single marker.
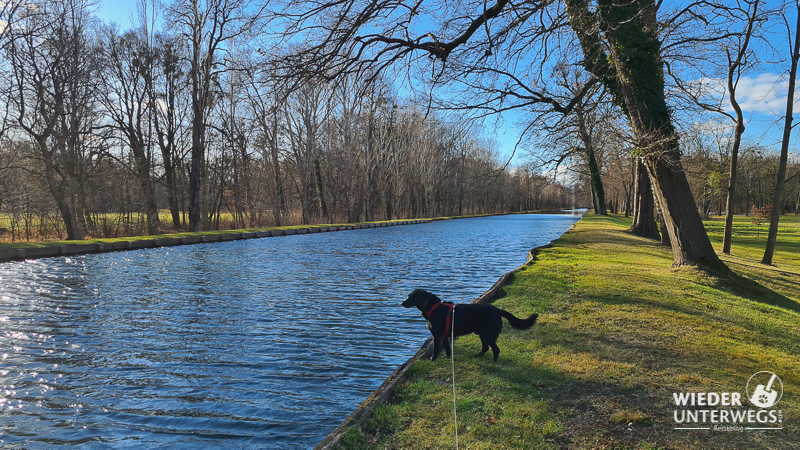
(308, 110)
(54, 68)
(777, 199)
(738, 58)
(620, 46)
(575, 132)
(735, 64)
(126, 97)
(170, 106)
(208, 26)
(267, 104)
(111, 126)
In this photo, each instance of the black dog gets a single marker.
(481, 319)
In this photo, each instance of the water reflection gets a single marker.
(258, 343)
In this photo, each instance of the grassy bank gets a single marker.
(39, 244)
(619, 332)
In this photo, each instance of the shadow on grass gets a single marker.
(705, 313)
(598, 410)
(615, 237)
(586, 407)
(726, 278)
(742, 286)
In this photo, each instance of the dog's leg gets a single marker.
(446, 342)
(491, 332)
(495, 350)
(437, 347)
(484, 346)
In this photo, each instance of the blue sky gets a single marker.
(118, 11)
(762, 95)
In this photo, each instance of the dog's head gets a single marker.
(418, 298)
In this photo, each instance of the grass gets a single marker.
(36, 244)
(619, 332)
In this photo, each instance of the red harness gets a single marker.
(449, 319)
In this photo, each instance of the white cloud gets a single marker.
(713, 126)
(762, 94)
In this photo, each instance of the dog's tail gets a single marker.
(515, 322)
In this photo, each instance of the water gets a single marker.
(265, 343)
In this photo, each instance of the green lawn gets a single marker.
(619, 332)
(748, 240)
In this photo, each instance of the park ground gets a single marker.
(619, 332)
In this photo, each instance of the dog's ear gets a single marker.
(423, 295)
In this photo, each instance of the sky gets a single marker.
(118, 11)
(762, 96)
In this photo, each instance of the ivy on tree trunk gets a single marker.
(632, 71)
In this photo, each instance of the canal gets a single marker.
(264, 343)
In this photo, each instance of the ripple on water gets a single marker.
(265, 343)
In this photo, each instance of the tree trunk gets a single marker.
(172, 201)
(628, 206)
(166, 143)
(597, 182)
(733, 71)
(142, 171)
(196, 176)
(633, 73)
(730, 203)
(389, 201)
(664, 234)
(777, 199)
(644, 220)
(279, 206)
(320, 187)
(598, 194)
(68, 215)
(150, 206)
(688, 238)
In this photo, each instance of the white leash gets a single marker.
(453, 364)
